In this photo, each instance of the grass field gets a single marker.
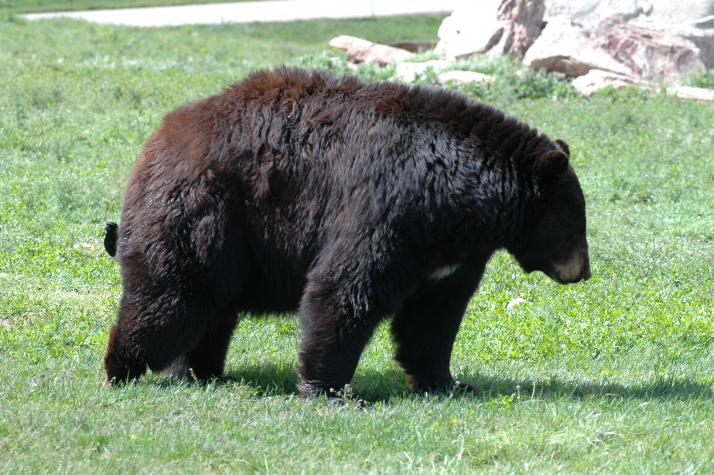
(613, 375)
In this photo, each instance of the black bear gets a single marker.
(344, 200)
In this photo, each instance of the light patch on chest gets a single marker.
(444, 272)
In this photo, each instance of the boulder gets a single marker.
(491, 26)
(596, 80)
(361, 50)
(522, 22)
(695, 93)
(647, 52)
(702, 35)
(472, 28)
(566, 48)
(691, 19)
(618, 46)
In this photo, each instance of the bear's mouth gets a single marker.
(584, 274)
(573, 268)
(553, 275)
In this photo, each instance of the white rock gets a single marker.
(617, 46)
(522, 22)
(597, 79)
(648, 52)
(463, 77)
(515, 302)
(695, 93)
(359, 50)
(472, 28)
(699, 32)
(691, 19)
(564, 47)
(493, 26)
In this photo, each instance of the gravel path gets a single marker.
(279, 10)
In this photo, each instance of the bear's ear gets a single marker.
(551, 163)
(563, 146)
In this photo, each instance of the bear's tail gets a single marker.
(111, 233)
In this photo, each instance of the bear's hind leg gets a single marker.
(426, 326)
(179, 368)
(208, 358)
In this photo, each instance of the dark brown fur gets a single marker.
(298, 190)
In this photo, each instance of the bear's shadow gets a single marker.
(381, 386)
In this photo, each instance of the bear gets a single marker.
(346, 201)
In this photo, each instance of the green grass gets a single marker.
(34, 6)
(614, 375)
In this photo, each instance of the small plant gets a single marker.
(347, 399)
(511, 82)
(529, 84)
(493, 65)
(338, 64)
(422, 57)
(703, 80)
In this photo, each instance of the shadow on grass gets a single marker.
(374, 386)
(662, 389)
(272, 380)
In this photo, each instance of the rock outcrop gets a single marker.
(618, 46)
(491, 26)
(647, 52)
(566, 48)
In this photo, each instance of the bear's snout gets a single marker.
(574, 269)
(585, 274)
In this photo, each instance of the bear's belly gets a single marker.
(266, 292)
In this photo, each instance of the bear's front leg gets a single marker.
(425, 328)
(335, 330)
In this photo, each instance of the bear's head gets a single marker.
(553, 237)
